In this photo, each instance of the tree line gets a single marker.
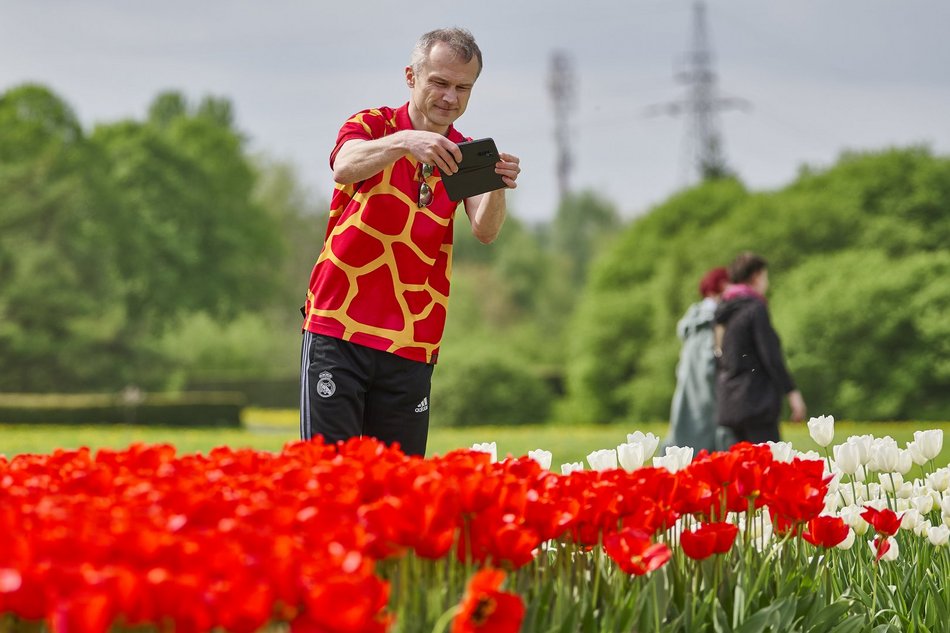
(160, 251)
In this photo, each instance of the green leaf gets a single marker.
(828, 616)
(720, 619)
(854, 624)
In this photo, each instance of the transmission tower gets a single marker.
(561, 85)
(702, 103)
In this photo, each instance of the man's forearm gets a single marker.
(358, 160)
(488, 215)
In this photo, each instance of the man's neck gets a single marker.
(421, 122)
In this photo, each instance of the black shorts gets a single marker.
(349, 390)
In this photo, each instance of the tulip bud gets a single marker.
(847, 458)
(822, 430)
(939, 535)
(904, 462)
(543, 458)
(923, 504)
(648, 440)
(890, 482)
(929, 442)
(570, 467)
(910, 519)
(630, 456)
(604, 459)
(487, 447)
(939, 480)
(916, 454)
(781, 451)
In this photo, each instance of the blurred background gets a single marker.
(164, 181)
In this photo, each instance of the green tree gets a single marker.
(888, 207)
(59, 295)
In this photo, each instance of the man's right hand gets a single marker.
(797, 404)
(434, 149)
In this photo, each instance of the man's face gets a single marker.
(441, 88)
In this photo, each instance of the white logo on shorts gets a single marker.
(423, 406)
(325, 386)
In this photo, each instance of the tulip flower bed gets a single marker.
(359, 537)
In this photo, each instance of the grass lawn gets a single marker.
(267, 429)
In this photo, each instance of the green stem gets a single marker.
(445, 619)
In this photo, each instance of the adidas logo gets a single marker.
(423, 406)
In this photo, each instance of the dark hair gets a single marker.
(745, 266)
(461, 41)
(713, 282)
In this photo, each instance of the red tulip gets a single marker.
(486, 608)
(826, 531)
(884, 521)
(635, 552)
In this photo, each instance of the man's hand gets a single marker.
(508, 168)
(797, 405)
(434, 149)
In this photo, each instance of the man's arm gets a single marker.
(486, 212)
(359, 159)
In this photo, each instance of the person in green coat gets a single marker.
(693, 411)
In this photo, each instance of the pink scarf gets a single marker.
(742, 290)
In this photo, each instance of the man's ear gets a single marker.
(410, 77)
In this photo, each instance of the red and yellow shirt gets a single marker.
(382, 278)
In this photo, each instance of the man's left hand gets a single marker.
(508, 168)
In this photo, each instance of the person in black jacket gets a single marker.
(752, 377)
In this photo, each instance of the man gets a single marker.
(376, 304)
(752, 375)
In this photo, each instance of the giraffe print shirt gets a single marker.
(382, 278)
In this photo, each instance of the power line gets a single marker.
(702, 102)
(563, 94)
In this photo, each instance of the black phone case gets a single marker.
(476, 172)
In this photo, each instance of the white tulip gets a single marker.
(939, 535)
(604, 459)
(939, 480)
(890, 482)
(822, 430)
(905, 490)
(487, 447)
(922, 527)
(851, 515)
(910, 519)
(848, 540)
(541, 456)
(885, 455)
(571, 467)
(676, 458)
(905, 461)
(847, 457)
(863, 444)
(945, 506)
(683, 455)
(811, 456)
(781, 451)
(902, 505)
(861, 473)
(630, 456)
(915, 453)
(648, 440)
(831, 503)
(929, 442)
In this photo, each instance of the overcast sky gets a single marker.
(821, 76)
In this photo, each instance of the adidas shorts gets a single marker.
(349, 390)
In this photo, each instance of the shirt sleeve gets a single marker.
(366, 125)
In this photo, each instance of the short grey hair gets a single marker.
(461, 41)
